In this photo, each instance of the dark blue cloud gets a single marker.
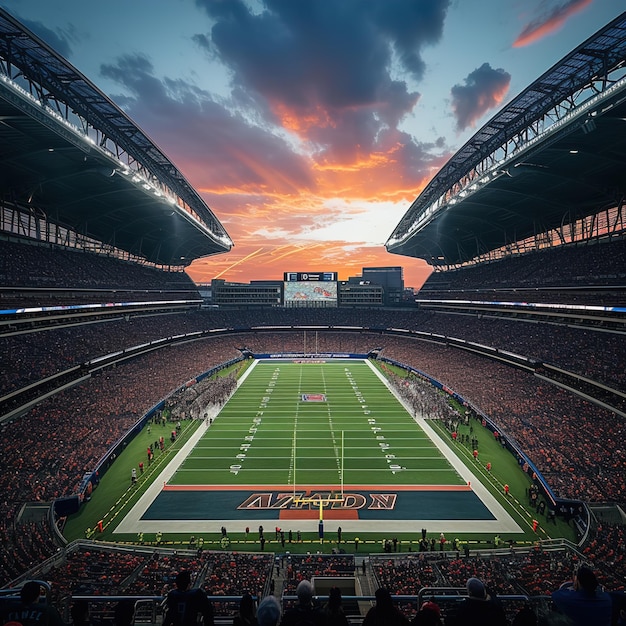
(328, 58)
(410, 26)
(59, 40)
(484, 89)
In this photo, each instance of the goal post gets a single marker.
(318, 501)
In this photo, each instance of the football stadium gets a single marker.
(477, 432)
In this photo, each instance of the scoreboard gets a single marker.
(310, 289)
(290, 277)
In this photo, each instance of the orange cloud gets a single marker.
(540, 28)
(239, 261)
(300, 123)
(278, 224)
(265, 264)
(275, 232)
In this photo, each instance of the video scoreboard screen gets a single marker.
(304, 292)
(310, 289)
(291, 277)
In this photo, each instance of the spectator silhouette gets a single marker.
(333, 610)
(428, 615)
(304, 612)
(30, 611)
(480, 608)
(268, 612)
(183, 604)
(582, 599)
(384, 613)
(246, 616)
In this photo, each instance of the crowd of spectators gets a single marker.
(155, 574)
(47, 451)
(299, 567)
(607, 548)
(404, 574)
(68, 433)
(35, 356)
(591, 264)
(38, 265)
(237, 573)
(106, 571)
(91, 571)
(421, 398)
(590, 353)
(71, 431)
(576, 445)
(533, 573)
(95, 570)
(191, 401)
(24, 544)
(38, 355)
(47, 266)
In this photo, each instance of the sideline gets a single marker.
(505, 522)
(132, 520)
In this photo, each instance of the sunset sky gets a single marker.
(309, 126)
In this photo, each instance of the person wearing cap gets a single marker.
(428, 615)
(479, 608)
(304, 612)
(268, 611)
(583, 600)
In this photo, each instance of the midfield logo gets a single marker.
(311, 501)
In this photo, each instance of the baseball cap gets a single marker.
(476, 588)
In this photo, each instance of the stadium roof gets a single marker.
(71, 156)
(554, 155)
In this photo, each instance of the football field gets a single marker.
(304, 440)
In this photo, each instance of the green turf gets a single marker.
(115, 494)
(292, 441)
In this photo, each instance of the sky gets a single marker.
(310, 126)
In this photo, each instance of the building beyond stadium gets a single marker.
(375, 287)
